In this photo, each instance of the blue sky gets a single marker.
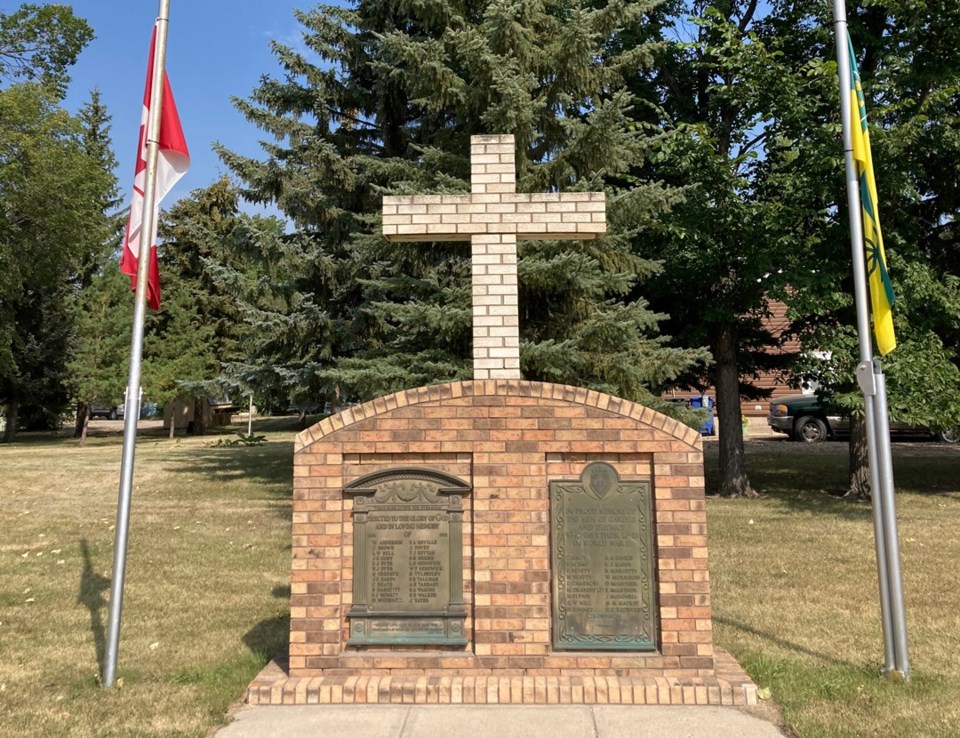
(216, 50)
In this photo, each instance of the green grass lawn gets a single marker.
(795, 589)
(207, 586)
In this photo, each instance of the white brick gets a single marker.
(411, 209)
(485, 218)
(513, 218)
(442, 208)
(531, 207)
(488, 364)
(494, 216)
(486, 342)
(469, 208)
(490, 321)
(485, 179)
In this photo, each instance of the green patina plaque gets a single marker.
(407, 559)
(603, 563)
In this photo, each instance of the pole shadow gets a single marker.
(783, 642)
(92, 587)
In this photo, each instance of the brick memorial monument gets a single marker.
(499, 541)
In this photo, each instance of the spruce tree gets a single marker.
(179, 355)
(203, 257)
(101, 346)
(95, 304)
(384, 101)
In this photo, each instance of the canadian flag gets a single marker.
(172, 164)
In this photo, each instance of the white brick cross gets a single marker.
(492, 218)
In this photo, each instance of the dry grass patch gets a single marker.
(206, 597)
(795, 590)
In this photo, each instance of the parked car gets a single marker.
(111, 412)
(806, 418)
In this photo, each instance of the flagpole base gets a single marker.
(896, 675)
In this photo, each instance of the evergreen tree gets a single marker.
(95, 121)
(95, 272)
(199, 235)
(384, 102)
(180, 353)
(104, 316)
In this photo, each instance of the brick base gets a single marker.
(730, 685)
(505, 440)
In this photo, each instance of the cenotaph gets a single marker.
(498, 540)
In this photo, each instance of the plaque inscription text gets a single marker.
(603, 583)
(408, 559)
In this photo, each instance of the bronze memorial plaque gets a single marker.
(602, 556)
(407, 559)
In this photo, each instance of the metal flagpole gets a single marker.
(865, 379)
(132, 404)
(891, 534)
(872, 383)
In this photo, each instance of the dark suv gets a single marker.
(111, 412)
(805, 418)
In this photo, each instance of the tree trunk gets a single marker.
(84, 424)
(858, 474)
(173, 421)
(199, 419)
(13, 411)
(733, 468)
(80, 421)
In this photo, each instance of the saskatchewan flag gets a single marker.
(881, 290)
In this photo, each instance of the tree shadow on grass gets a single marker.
(92, 587)
(783, 643)
(269, 466)
(813, 478)
(269, 638)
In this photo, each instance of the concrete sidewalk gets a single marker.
(495, 721)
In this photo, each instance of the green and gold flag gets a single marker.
(881, 290)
